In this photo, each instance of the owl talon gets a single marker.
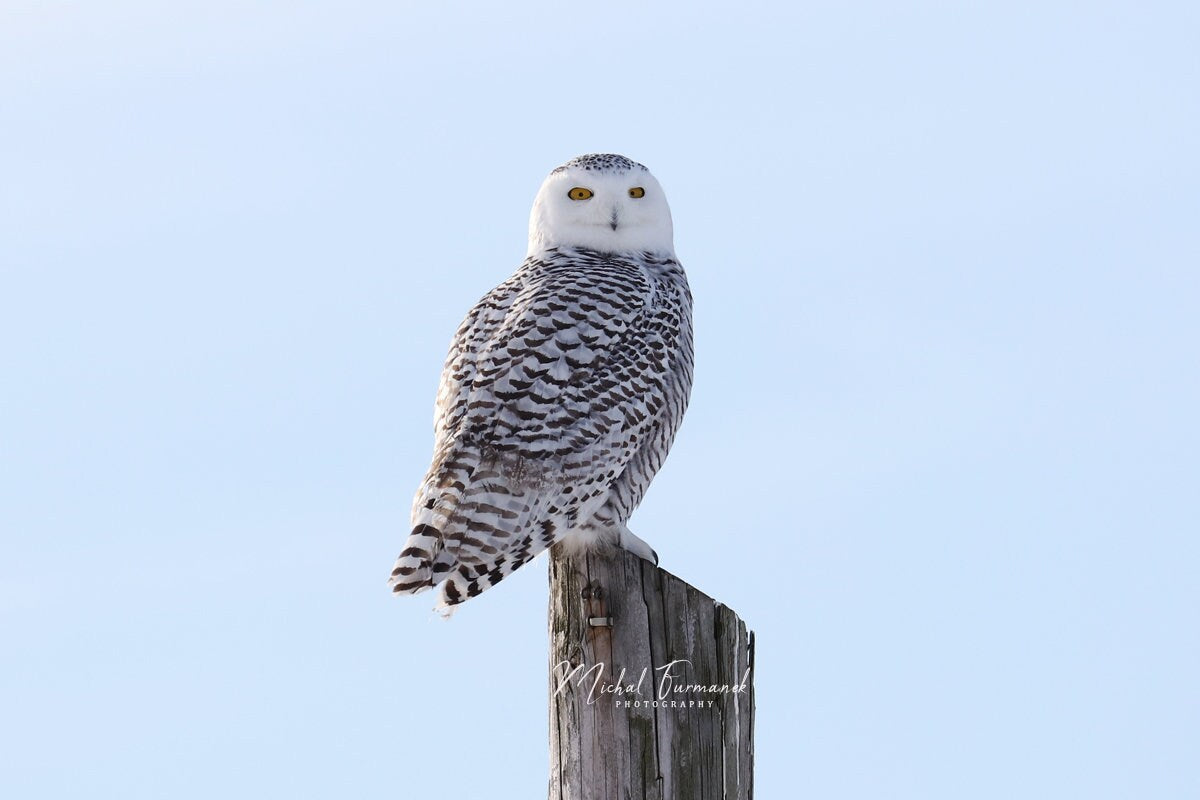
(629, 541)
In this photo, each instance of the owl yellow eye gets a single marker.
(579, 193)
(637, 191)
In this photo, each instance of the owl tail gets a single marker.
(422, 563)
(469, 580)
(425, 560)
(470, 531)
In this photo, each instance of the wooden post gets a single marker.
(619, 621)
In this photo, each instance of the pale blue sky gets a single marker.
(942, 450)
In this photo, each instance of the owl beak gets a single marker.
(612, 221)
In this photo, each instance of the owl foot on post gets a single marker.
(635, 545)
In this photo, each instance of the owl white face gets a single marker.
(603, 202)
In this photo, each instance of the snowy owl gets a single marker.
(563, 388)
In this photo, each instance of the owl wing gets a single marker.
(551, 384)
(579, 363)
(469, 350)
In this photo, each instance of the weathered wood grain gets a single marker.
(695, 744)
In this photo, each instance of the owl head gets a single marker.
(603, 202)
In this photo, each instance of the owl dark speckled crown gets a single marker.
(601, 162)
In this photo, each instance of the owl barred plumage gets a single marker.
(563, 388)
